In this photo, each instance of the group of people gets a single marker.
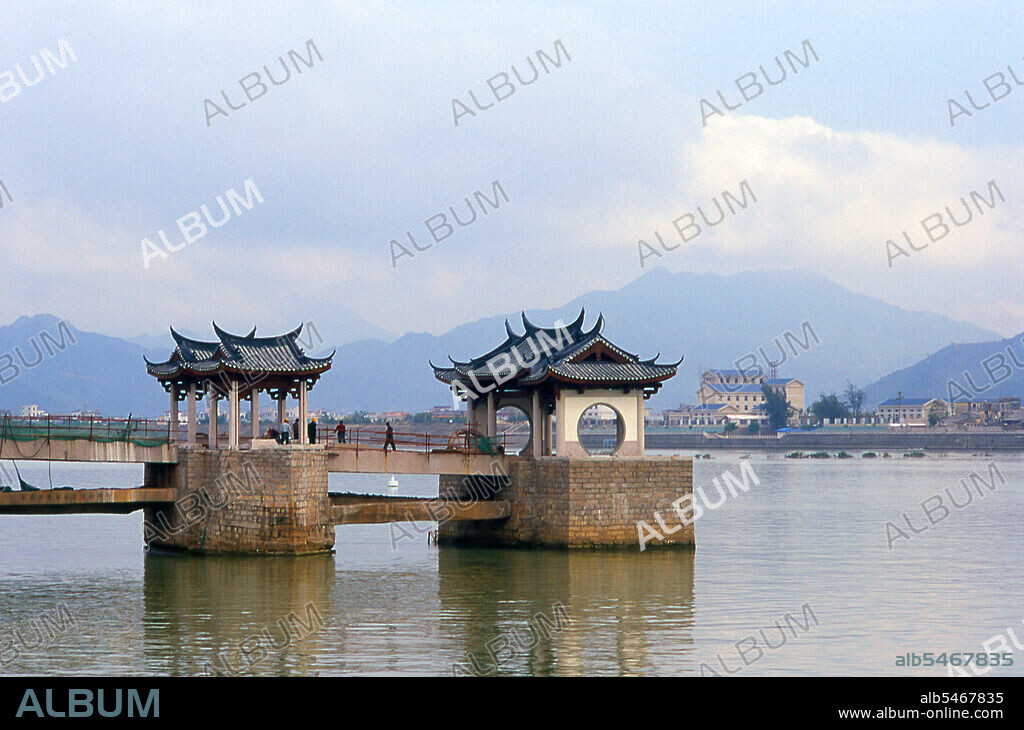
(287, 430)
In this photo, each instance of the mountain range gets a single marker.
(975, 371)
(835, 336)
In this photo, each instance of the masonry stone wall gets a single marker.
(261, 501)
(575, 503)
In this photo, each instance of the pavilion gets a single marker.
(238, 368)
(558, 373)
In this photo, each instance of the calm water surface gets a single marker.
(812, 533)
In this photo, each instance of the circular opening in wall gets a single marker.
(514, 429)
(601, 430)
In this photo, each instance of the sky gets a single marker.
(597, 153)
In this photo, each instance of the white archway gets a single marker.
(571, 405)
(512, 435)
(595, 414)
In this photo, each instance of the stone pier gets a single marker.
(572, 503)
(275, 501)
(271, 501)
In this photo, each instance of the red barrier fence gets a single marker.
(153, 431)
(374, 438)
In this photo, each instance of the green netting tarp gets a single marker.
(485, 444)
(100, 433)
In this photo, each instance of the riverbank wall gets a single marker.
(832, 441)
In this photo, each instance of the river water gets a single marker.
(799, 575)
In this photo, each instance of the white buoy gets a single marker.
(393, 482)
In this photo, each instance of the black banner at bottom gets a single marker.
(265, 699)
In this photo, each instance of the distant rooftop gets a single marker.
(907, 401)
(732, 387)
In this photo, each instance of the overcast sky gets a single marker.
(594, 155)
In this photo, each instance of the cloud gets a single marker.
(830, 200)
(361, 148)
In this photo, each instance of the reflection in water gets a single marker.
(198, 610)
(624, 607)
(811, 532)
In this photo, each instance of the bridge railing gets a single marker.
(374, 438)
(140, 431)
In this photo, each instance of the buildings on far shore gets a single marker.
(733, 395)
(1005, 412)
(911, 411)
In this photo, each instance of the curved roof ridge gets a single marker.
(239, 353)
(558, 352)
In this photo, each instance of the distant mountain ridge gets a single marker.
(90, 371)
(333, 323)
(711, 320)
(977, 371)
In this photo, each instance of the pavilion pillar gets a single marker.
(254, 412)
(282, 411)
(640, 422)
(303, 436)
(547, 432)
(172, 420)
(492, 416)
(560, 423)
(191, 414)
(234, 416)
(211, 409)
(470, 411)
(536, 426)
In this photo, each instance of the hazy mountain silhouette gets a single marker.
(932, 376)
(711, 320)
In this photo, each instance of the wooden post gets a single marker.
(536, 426)
(560, 425)
(640, 424)
(234, 416)
(172, 421)
(211, 409)
(254, 412)
(303, 436)
(191, 414)
(492, 417)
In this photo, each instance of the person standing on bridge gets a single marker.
(340, 429)
(311, 430)
(284, 432)
(389, 437)
(295, 429)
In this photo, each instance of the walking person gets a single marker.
(284, 432)
(389, 437)
(295, 429)
(340, 430)
(311, 430)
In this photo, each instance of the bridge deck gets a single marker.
(345, 458)
(55, 449)
(78, 501)
(351, 509)
(340, 457)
